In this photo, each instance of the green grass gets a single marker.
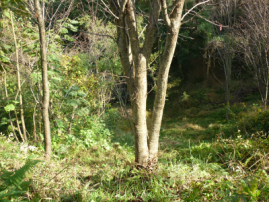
(202, 158)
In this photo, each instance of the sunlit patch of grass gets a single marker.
(214, 125)
(193, 126)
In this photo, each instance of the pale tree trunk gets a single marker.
(45, 82)
(34, 123)
(54, 116)
(18, 125)
(135, 60)
(173, 25)
(18, 79)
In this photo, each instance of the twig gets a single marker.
(110, 10)
(99, 34)
(193, 8)
(258, 161)
(142, 31)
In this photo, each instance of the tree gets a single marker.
(252, 41)
(222, 44)
(135, 62)
(45, 82)
(18, 78)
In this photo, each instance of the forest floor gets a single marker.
(202, 158)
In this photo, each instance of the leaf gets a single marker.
(73, 93)
(69, 38)
(9, 107)
(254, 186)
(6, 48)
(63, 30)
(57, 79)
(81, 94)
(6, 193)
(73, 21)
(14, 101)
(3, 57)
(14, 178)
(246, 163)
(73, 102)
(73, 28)
(82, 112)
(75, 88)
(6, 13)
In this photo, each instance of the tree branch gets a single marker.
(109, 10)
(219, 25)
(193, 8)
(175, 5)
(104, 35)
(142, 31)
(165, 13)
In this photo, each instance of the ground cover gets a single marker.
(202, 158)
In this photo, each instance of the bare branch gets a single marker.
(142, 31)
(123, 6)
(186, 37)
(109, 10)
(99, 34)
(193, 8)
(165, 13)
(219, 25)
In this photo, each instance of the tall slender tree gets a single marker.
(18, 78)
(45, 81)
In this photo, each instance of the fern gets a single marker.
(14, 185)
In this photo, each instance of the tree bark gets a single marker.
(45, 82)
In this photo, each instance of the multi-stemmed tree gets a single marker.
(135, 60)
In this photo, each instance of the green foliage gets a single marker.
(90, 134)
(9, 107)
(96, 134)
(13, 184)
(16, 6)
(64, 25)
(257, 122)
(104, 52)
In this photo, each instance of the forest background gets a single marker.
(214, 136)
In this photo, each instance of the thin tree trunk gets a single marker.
(40, 124)
(11, 123)
(228, 72)
(166, 60)
(34, 123)
(18, 126)
(59, 132)
(45, 82)
(18, 79)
